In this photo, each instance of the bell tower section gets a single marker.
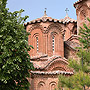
(83, 12)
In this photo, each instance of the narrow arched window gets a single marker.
(64, 35)
(53, 43)
(37, 43)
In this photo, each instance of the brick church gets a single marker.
(54, 42)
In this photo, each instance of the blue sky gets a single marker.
(35, 8)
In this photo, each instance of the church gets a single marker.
(54, 42)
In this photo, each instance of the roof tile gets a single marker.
(67, 19)
(78, 2)
(53, 72)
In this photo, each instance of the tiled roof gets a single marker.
(49, 60)
(78, 2)
(52, 72)
(46, 18)
(72, 44)
(54, 58)
(72, 37)
(45, 64)
(67, 19)
(39, 56)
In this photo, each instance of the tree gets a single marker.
(81, 78)
(14, 58)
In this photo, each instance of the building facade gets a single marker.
(54, 42)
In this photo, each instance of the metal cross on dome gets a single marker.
(45, 12)
(66, 11)
(45, 9)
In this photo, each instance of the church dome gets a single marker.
(45, 18)
(67, 19)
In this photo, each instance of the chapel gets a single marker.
(54, 42)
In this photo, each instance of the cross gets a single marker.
(45, 9)
(66, 11)
(45, 12)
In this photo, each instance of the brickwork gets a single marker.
(44, 32)
(44, 82)
(54, 62)
(54, 42)
(82, 11)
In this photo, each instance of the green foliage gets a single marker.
(81, 78)
(75, 82)
(85, 35)
(14, 57)
(66, 83)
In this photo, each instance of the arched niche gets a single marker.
(41, 85)
(36, 40)
(36, 26)
(60, 29)
(52, 85)
(57, 65)
(55, 32)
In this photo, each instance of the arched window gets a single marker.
(64, 35)
(37, 43)
(53, 43)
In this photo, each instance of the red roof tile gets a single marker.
(78, 2)
(46, 18)
(49, 60)
(67, 19)
(72, 44)
(52, 72)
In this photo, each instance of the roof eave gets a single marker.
(77, 3)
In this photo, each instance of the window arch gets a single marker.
(36, 43)
(55, 41)
(36, 40)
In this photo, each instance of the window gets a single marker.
(64, 35)
(53, 43)
(37, 43)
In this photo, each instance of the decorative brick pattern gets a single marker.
(51, 57)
